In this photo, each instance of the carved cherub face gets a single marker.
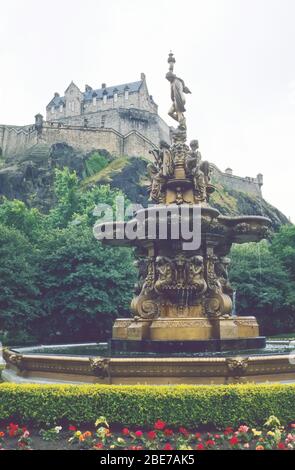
(194, 145)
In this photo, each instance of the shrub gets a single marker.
(187, 405)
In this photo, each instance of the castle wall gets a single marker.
(15, 140)
(135, 145)
(85, 140)
(124, 120)
(237, 183)
(133, 137)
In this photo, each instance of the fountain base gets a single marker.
(186, 334)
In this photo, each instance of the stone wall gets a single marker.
(246, 184)
(15, 140)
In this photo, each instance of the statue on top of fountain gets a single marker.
(178, 174)
(178, 89)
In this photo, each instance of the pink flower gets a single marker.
(293, 425)
(246, 446)
(243, 429)
(281, 446)
(160, 425)
(138, 433)
(72, 428)
(125, 431)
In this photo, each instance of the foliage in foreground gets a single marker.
(182, 405)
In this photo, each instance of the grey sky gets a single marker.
(236, 56)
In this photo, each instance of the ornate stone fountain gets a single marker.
(184, 298)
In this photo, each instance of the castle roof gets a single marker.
(110, 90)
(88, 95)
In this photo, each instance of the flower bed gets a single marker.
(160, 437)
(182, 405)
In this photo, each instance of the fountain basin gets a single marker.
(92, 363)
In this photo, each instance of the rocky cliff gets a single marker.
(30, 178)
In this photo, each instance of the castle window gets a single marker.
(52, 109)
(94, 101)
(103, 121)
(61, 108)
(126, 95)
(105, 99)
(115, 97)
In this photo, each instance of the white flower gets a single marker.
(57, 429)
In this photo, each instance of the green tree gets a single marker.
(283, 248)
(264, 287)
(19, 293)
(84, 285)
(60, 269)
(15, 213)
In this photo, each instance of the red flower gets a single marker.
(217, 436)
(200, 447)
(210, 443)
(281, 446)
(183, 431)
(233, 441)
(228, 430)
(125, 431)
(167, 446)
(293, 425)
(151, 435)
(197, 435)
(99, 445)
(138, 433)
(72, 428)
(160, 425)
(168, 432)
(12, 429)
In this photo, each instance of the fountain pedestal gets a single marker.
(185, 335)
